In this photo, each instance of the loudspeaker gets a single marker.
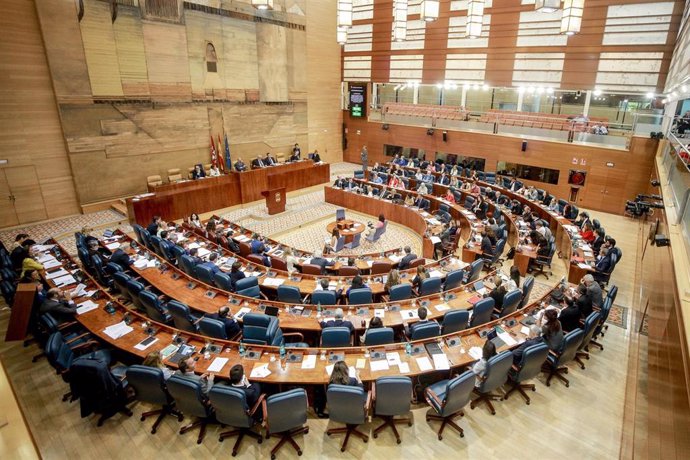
(445, 136)
(524, 146)
(385, 127)
(430, 132)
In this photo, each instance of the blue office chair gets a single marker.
(376, 235)
(204, 274)
(147, 237)
(359, 296)
(154, 307)
(447, 398)
(155, 244)
(137, 232)
(495, 258)
(324, 297)
(259, 329)
(528, 368)
(379, 336)
(543, 262)
(556, 362)
(401, 291)
(212, 327)
(392, 396)
(111, 268)
(454, 279)
(181, 316)
(149, 386)
(231, 409)
(177, 253)
(166, 248)
(190, 400)
(599, 330)
(339, 244)
(356, 240)
(495, 377)
(222, 281)
(510, 303)
(332, 337)
(349, 405)
(286, 414)
(187, 265)
(475, 271)
(430, 286)
(526, 290)
(455, 321)
(589, 328)
(289, 294)
(469, 202)
(120, 282)
(482, 311)
(425, 330)
(248, 287)
(339, 214)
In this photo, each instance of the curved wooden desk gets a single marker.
(347, 228)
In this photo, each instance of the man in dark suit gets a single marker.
(257, 246)
(121, 257)
(593, 291)
(581, 301)
(239, 380)
(269, 160)
(59, 304)
(498, 293)
(321, 262)
(153, 226)
(258, 163)
(224, 316)
(422, 314)
(407, 258)
(194, 254)
(338, 321)
(240, 166)
(603, 264)
(598, 240)
(296, 151)
(486, 247)
(533, 337)
(316, 158)
(211, 263)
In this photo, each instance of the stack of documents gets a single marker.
(273, 281)
(118, 330)
(260, 371)
(86, 307)
(217, 365)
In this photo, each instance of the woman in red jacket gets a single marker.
(588, 234)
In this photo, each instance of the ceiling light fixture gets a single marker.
(429, 10)
(475, 18)
(399, 20)
(571, 21)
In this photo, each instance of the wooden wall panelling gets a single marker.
(131, 54)
(168, 68)
(272, 56)
(98, 37)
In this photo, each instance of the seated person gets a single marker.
(379, 224)
(393, 280)
(269, 160)
(238, 379)
(258, 163)
(486, 246)
(449, 197)
(569, 317)
(421, 274)
(121, 257)
(375, 323)
(498, 293)
(479, 368)
(211, 263)
(357, 283)
(443, 180)
(236, 274)
(587, 233)
(341, 376)
(194, 220)
(225, 316)
(316, 158)
(30, 262)
(337, 321)
(422, 312)
(214, 171)
(423, 189)
(154, 359)
(240, 166)
(551, 331)
(194, 254)
(256, 244)
(296, 152)
(533, 338)
(321, 262)
(376, 179)
(198, 172)
(340, 182)
(387, 194)
(553, 206)
(59, 304)
(409, 200)
(186, 369)
(332, 242)
(409, 256)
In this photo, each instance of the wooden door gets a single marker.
(8, 217)
(26, 193)
(605, 188)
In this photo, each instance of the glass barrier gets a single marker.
(646, 123)
(676, 163)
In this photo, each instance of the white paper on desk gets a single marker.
(118, 330)
(584, 266)
(395, 258)
(140, 263)
(409, 314)
(260, 371)
(476, 352)
(441, 362)
(52, 263)
(43, 247)
(435, 274)
(308, 361)
(86, 306)
(203, 252)
(217, 364)
(112, 246)
(378, 365)
(361, 363)
(194, 245)
(507, 339)
(273, 281)
(393, 358)
(370, 263)
(64, 280)
(43, 258)
(524, 330)
(379, 312)
(404, 368)
(139, 346)
(435, 239)
(151, 263)
(351, 370)
(424, 364)
(57, 274)
(242, 311)
(79, 290)
(242, 238)
(442, 307)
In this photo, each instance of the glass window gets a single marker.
(452, 96)
(407, 152)
(528, 172)
(478, 99)
(386, 93)
(465, 161)
(429, 94)
(505, 99)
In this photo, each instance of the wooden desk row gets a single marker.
(179, 200)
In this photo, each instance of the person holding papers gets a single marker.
(479, 368)
(30, 262)
(59, 304)
(238, 379)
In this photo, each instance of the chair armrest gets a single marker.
(264, 412)
(263, 295)
(86, 346)
(80, 336)
(305, 298)
(430, 394)
(63, 326)
(367, 403)
(384, 298)
(259, 403)
(295, 334)
(236, 337)
(372, 392)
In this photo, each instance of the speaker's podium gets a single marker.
(275, 200)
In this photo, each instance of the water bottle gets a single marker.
(241, 350)
(318, 310)
(282, 350)
(408, 349)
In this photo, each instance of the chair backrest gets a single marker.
(187, 264)
(591, 323)
(417, 262)
(311, 269)
(111, 268)
(346, 270)
(182, 317)
(393, 395)
(255, 258)
(469, 202)
(278, 263)
(120, 280)
(259, 329)
(230, 406)
(189, 398)
(148, 384)
(496, 371)
(339, 214)
(137, 232)
(356, 240)
(324, 297)
(156, 244)
(400, 292)
(379, 267)
(359, 296)
(339, 244)
(346, 404)
(475, 270)
(613, 292)
(335, 337)
(526, 290)
(425, 330)
(430, 286)
(454, 279)
(289, 294)
(532, 361)
(458, 393)
(204, 274)
(498, 250)
(377, 234)
(571, 343)
(454, 321)
(152, 305)
(379, 336)
(286, 410)
(510, 302)
(134, 287)
(248, 287)
(245, 249)
(481, 313)
(212, 327)
(222, 281)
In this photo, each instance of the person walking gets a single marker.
(365, 158)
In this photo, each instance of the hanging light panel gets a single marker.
(475, 16)
(430, 9)
(399, 20)
(547, 6)
(262, 4)
(344, 13)
(572, 16)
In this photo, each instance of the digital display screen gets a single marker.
(358, 100)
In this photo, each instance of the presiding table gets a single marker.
(347, 228)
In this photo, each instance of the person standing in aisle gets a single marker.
(365, 158)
